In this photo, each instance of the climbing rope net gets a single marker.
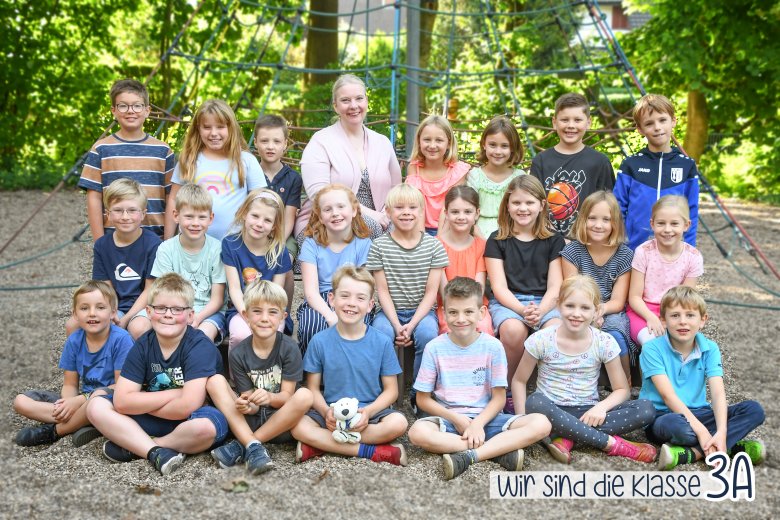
(475, 61)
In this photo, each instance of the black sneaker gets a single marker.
(37, 435)
(84, 436)
(512, 461)
(116, 453)
(166, 460)
(257, 459)
(229, 454)
(455, 464)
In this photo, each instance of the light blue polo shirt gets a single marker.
(688, 378)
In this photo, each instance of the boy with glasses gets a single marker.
(128, 153)
(157, 410)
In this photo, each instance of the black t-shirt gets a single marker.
(585, 172)
(525, 263)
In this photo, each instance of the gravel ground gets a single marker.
(59, 480)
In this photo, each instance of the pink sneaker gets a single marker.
(392, 453)
(560, 449)
(304, 452)
(640, 451)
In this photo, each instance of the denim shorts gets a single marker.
(43, 396)
(499, 423)
(220, 322)
(381, 414)
(262, 416)
(159, 427)
(500, 314)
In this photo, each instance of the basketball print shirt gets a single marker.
(220, 179)
(568, 179)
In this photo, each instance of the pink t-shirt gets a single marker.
(661, 274)
(434, 191)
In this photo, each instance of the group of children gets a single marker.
(487, 273)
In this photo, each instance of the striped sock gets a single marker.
(366, 451)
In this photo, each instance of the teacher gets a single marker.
(349, 153)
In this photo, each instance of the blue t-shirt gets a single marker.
(351, 368)
(128, 267)
(688, 378)
(96, 369)
(328, 261)
(250, 266)
(194, 358)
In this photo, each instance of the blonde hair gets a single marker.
(276, 240)
(677, 202)
(261, 291)
(579, 230)
(316, 228)
(100, 286)
(343, 80)
(359, 274)
(172, 284)
(684, 296)
(450, 154)
(124, 189)
(504, 126)
(404, 194)
(195, 196)
(580, 282)
(652, 103)
(193, 144)
(531, 185)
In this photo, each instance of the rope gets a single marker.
(76, 238)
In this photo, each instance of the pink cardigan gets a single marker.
(328, 158)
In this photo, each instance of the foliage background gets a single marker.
(60, 57)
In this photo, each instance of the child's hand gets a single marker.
(331, 318)
(531, 314)
(124, 321)
(116, 320)
(594, 417)
(65, 408)
(403, 336)
(474, 435)
(362, 423)
(461, 423)
(244, 406)
(716, 443)
(196, 321)
(330, 419)
(655, 326)
(598, 321)
(260, 397)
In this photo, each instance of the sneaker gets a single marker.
(84, 436)
(166, 460)
(755, 450)
(512, 461)
(257, 459)
(304, 452)
(394, 453)
(559, 448)
(639, 451)
(37, 435)
(672, 456)
(455, 464)
(229, 454)
(509, 406)
(116, 453)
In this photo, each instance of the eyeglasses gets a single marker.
(162, 309)
(119, 213)
(124, 107)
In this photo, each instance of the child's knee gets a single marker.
(21, 403)
(539, 425)
(420, 433)
(138, 326)
(202, 430)
(302, 399)
(96, 408)
(513, 332)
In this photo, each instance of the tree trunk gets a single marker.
(427, 21)
(322, 42)
(696, 131)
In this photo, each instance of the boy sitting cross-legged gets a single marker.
(93, 355)
(266, 368)
(462, 385)
(157, 410)
(677, 368)
(352, 359)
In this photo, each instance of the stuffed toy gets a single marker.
(346, 412)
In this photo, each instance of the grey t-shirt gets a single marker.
(251, 372)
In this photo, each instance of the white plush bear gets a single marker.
(346, 412)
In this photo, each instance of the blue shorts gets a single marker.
(499, 423)
(159, 427)
(220, 322)
(499, 314)
(381, 414)
(43, 396)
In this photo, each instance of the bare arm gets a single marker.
(569, 269)
(385, 301)
(554, 280)
(617, 303)
(311, 291)
(170, 205)
(234, 288)
(95, 213)
(675, 404)
(130, 400)
(139, 304)
(214, 304)
(189, 398)
(520, 381)
(385, 399)
(290, 212)
(720, 409)
(635, 291)
(429, 298)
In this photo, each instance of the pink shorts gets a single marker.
(637, 322)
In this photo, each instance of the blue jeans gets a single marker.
(498, 424)
(673, 427)
(425, 331)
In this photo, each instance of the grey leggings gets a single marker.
(624, 418)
